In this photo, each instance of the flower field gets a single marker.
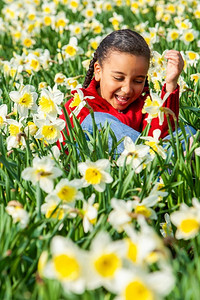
(82, 221)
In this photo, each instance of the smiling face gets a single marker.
(121, 77)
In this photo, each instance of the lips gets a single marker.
(122, 99)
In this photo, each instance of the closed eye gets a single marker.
(139, 81)
(119, 78)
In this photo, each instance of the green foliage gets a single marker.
(20, 248)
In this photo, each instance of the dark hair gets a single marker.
(123, 40)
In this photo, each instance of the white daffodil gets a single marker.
(154, 250)
(133, 154)
(67, 265)
(158, 189)
(49, 102)
(182, 84)
(55, 152)
(71, 50)
(45, 59)
(197, 151)
(49, 129)
(76, 29)
(90, 212)
(68, 192)
(6, 67)
(30, 129)
(49, 8)
(89, 12)
(136, 252)
(33, 62)
(74, 5)
(159, 252)
(105, 260)
(86, 64)
(195, 77)
(42, 171)
(192, 58)
(196, 11)
(187, 220)
(136, 283)
(144, 207)
(95, 173)
(72, 83)
(42, 85)
(96, 26)
(25, 99)
(154, 144)
(120, 216)
(166, 227)
(60, 79)
(183, 24)
(42, 263)
(52, 208)
(116, 20)
(94, 42)
(3, 114)
(16, 137)
(60, 22)
(79, 101)
(173, 34)
(18, 213)
(189, 36)
(153, 106)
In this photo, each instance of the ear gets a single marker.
(97, 71)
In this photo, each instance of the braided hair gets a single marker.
(123, 40)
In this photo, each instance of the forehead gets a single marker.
(126, 62)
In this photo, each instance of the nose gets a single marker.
(127, 88)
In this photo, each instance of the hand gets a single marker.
(175, 64)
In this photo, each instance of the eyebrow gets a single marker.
(121, 73)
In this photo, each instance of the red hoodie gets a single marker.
(132, 115)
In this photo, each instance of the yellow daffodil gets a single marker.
(25, 99)
(3, 114)
(133, 154)
(153, 106)
(49, 101)
(67, 265)
(95, 173)
(137, 283)
(105, 260)
(18, 213)
(16, 137)
(187, 220)
(90, 212)
(50, 129)
(51, 208)
(42, 171)
(154, 144)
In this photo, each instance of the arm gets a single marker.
(174, 68)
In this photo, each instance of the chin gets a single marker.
(120, 107)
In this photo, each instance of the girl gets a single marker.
(116, 86)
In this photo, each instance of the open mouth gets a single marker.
(122, 99)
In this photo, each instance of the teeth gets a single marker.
(121, 98)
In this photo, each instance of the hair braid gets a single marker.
(90, 71)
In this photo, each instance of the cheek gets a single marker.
(109, 87)
(139, 90)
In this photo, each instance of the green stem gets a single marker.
(38, 200)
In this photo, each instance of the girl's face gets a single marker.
(121, 78)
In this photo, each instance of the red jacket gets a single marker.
(132, 115)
